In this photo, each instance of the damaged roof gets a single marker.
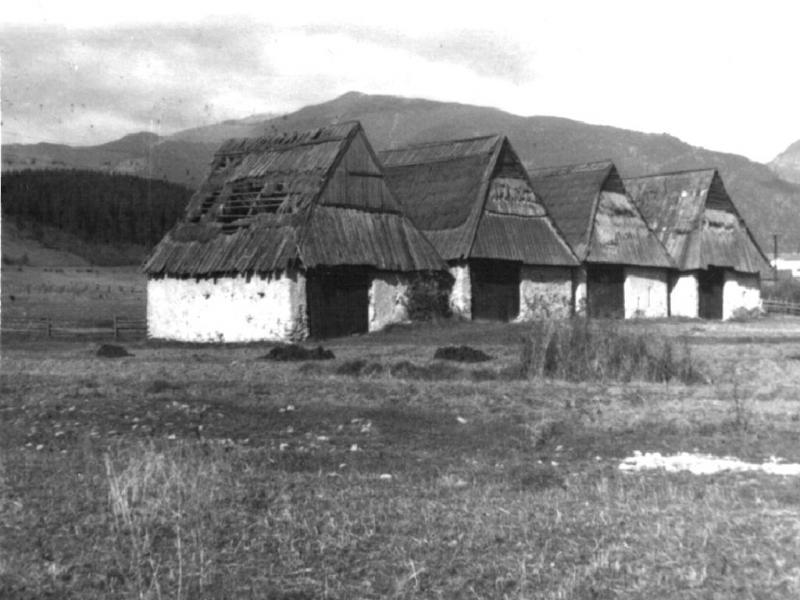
(472, 198)
(589, 204)
(695, 218)
(310, 199)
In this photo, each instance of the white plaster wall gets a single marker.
(740, 290)
(461, 294)
(387, 299)
(544, 292)
(646, 292)
(684, 298)
(579, 290)
(227, 309)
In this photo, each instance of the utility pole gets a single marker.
(775, 255)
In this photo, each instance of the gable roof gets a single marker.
(287, 200)
(589, 204)
(472, 198)
(696, 220)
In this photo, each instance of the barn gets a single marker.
(473, 200)
(289, 236)
(718, 262)
(624, 267)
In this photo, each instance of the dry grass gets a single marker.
(204, 472)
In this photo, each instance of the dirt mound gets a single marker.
(112, 351)
(295, 352)
(461, 354)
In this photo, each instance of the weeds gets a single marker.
(461, 354)
(582, 350)
(295, 352)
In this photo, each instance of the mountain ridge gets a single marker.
(769, 203)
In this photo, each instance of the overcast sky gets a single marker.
(723, 75)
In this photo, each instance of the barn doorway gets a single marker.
(495, 289)
(338, 301)
(605, 291)
(710, 283)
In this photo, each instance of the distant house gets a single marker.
(288, 236)
(718, 262)
(788, 262)
(625, 268)
(473, 200)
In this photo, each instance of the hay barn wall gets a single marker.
(544, 292)
(387, 299)
(227, 309)
(740, 291)
(646, 292)
(461, 293)
(684, 297)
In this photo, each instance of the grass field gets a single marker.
(82, 294)
(207, 472)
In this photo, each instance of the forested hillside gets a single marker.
(97, 209)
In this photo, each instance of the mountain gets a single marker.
(142, 154)
(769, 203)
(787, 164)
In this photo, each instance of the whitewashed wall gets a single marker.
(579, 291)
(544, 292)
(387, 299)
(684, 298)
(227, 309)
(461, 294)
(741, 290)
(646, 292)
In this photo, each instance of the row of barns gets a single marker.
(316, 234)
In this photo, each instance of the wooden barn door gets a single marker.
(495, 289)
(709, 287)
(338, 301)
(605, 291)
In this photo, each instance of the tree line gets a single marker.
(97, 207)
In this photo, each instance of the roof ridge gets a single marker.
(677, 172)
(559, 169)
(440, 143)
(284, 140)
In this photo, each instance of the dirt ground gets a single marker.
(207, 471)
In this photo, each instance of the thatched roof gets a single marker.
(472, 198)
(696, 220)
(589, 204)
(310, 199)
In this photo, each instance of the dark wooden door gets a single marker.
(338, 301)
(605, 291)
(495, 289)
(709, 287)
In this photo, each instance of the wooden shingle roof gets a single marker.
(316, 198)
(696, 220)
(472, 198)
(589, 204)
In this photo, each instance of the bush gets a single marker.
(112, 351)
(787, 290)
(294, 352)
(581, 350)
(428, 297)
(461, 354)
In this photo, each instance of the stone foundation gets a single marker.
(544, 292)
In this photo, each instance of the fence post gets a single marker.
(116, 328)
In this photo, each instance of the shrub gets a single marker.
(581, 350)
(428, 297)
(293, 352)
(461, 354)
(112, 351)
(743, 315)
(787, 290)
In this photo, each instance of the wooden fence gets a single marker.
(120, 327)
(780, 306)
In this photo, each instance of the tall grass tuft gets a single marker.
(162, 504)
(584, 350)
